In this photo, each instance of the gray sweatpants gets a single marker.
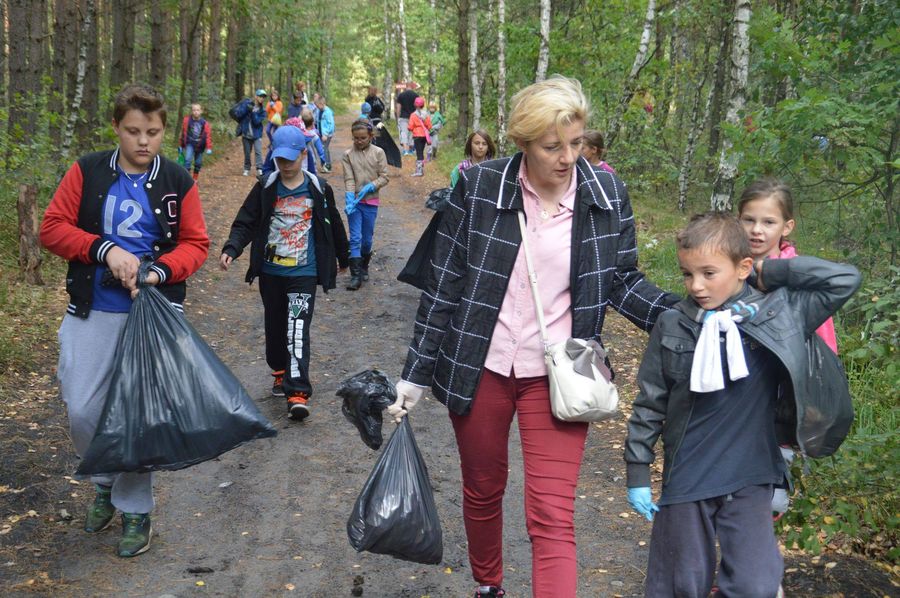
(86, 352)
(683, 548)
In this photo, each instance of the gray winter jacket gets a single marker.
(475, 251)
(802, 293)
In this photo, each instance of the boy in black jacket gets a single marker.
(295, 234)
(709, 384)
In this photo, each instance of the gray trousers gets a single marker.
(683, 548)
(86, 352)
(256, 146)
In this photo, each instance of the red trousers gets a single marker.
(552, 452)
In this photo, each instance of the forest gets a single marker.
(694, 98)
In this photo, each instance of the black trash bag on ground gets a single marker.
(171, 402)
(366, 395)
(395, 512)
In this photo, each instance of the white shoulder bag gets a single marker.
(580, 386)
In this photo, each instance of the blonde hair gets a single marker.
(555, 102)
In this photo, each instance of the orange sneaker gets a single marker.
(297, 406)
(278, 384)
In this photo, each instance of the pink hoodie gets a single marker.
(826, 330)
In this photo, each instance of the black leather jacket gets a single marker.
(803, 293)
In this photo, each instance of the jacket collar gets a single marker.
(587, 187)
(154, 167)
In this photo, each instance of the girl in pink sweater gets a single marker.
(766, 210)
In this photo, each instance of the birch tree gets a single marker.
(544, 50)
(432, 66)
(723, 189)
(473, 64)
(501, 76)
(388, 89)
(696, 127)
(640, 61)
(80, 73)
(404, 52)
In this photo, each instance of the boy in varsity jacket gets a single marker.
(111, 209)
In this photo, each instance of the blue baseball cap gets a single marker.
(289, 142)
(261, 92)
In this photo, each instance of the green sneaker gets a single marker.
(100, 515)
(136, 533)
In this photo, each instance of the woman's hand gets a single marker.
(407, 396)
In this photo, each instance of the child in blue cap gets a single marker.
(297, 241)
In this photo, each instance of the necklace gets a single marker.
(133, 181)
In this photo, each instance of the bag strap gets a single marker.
(532, 277)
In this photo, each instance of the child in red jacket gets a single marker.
(195, 139)
(419, 125)
(112, 209)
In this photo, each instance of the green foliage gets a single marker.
(851, 498)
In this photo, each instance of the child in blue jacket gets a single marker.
(251, 128)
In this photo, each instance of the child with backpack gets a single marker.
(365, 173)
(721, 453)
(297, 239)
(196, 138)
(250, 116)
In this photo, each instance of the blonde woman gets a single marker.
(476, 339)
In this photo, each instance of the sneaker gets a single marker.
(297, 406)
(490, 591)
(278, 384)
(258, 172)
(100, 515)
(246, 172)
(136, 533)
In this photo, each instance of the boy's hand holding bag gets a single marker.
(581, 388)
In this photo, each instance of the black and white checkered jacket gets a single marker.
(475, 251)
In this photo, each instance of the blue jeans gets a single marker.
(362, 227)
(192, 155)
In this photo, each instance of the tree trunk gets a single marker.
(160, 50)
(404, 52)
(195, 75)
(141, 72)
(640, 61)
(37, 15)
(231, 60)
(29, 244)
(696, 127)
(214, 59)
(473, 63)
(723, 189)
(121, 68)
(432, 63)
(3, 60)
(462, 69)
(190, 28)
(18, 76)
(890, 186)
(544, 50)
(80, 76)
(388, 89)
(501, 76)
(57, 96)
(715, 113)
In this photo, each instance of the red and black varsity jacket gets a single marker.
(72, 225)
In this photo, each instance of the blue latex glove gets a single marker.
(366, 189)
(209, 151)
(641, 501)
(350, 202)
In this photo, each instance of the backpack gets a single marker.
(240, 110)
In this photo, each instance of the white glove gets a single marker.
(408, 395)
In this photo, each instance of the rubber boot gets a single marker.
(420, 168)
(355, 280)
(364, 266)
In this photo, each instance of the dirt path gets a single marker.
(268, 519)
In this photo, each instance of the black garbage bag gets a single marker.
(819, 422)
(366, 395)
(384, 140)
(438, 199)
(171, 402)
(395, 512)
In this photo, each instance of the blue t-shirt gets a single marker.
(729, 442)
(291, 246)
(128, 222)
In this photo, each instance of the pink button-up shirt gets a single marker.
(516, 344)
